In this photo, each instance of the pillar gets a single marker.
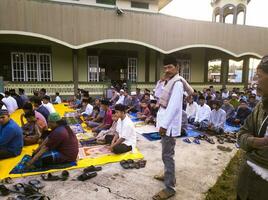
(75, 70)
(147, 64)
(224, 71)
(245, 71)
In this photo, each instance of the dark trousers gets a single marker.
(118, 149)
(168, 153)
(250, 185)
(5, 154)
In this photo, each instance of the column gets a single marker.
(221, 16)
(147, 65)
(235, 15)
(224, 71)
(245, 14)
(245, 71)
(75, 70)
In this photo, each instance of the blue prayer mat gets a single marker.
(21, 166)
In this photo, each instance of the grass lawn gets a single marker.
(225, 187)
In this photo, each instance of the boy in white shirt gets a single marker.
(88, 108)
(57, 99)
(48, 105)
(202, 114)
(126, 138)
(191, 109)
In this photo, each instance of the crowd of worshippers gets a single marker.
(42, 125)
(209, 110)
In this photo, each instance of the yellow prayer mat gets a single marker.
(8, 164)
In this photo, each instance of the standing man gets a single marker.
(169, 119)
(253, 138)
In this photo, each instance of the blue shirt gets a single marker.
(11, 137)
(42, 109)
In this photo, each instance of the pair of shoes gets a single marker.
(49, 177)
(131, 164)
(92, 169)
(164, 194)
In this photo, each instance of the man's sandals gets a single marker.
(164, 194)
(159, 177)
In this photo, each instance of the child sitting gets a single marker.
(153, 112)
(145, 111)
(31, 131)
(125, 140)
(105, 134)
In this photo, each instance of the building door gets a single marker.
(132, 69)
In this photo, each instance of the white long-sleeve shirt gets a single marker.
(49, 107)
(203, 113)
(191, 109)
(126, 129)
(217, 118)
(170, 118)
(89, 110)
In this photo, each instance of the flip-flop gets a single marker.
(86, 176)
(164, 194)
(92, 169)
(132, 165)
(50, 177)
(7, 180)
(64, 175)
(36, 183)
(4, 191)
(129, 161)
(210, 140)
(19, 187)
(125, 165)
(25, 189)
(142, 163)
(223, 148)
(196, 141)
(187, 140)
(220, 140)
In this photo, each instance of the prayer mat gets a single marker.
(21, 167)
(228, 128)
(7, 165)
(77, 128)
(94, 151)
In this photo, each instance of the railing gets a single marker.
(64, 88)
(95, 89)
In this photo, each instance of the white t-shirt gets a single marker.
(49, 107)
(120, 100)
(191, 109)
(126, 129)
(89, 110)
(58, 99)
(203, 113)
(11, 104)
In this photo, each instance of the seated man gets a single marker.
(153, 112)
(125, 140)
(242, 113)
(191, 109)
(217, 118)
(49, 106)
(57, 99)
(61, 145)
(31, 130)
(40, 119)
(107, 119)
(103, 136)
(88, 108)
(134, 105)
(202, 114)
(38, 106)
(96, 117)
(145, 111)
(11, 138)
(228, 108)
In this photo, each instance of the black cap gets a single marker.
(170, 60)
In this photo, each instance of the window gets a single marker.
(132, 69)
(31, 66)
(93, 68)
(235, 71)
(214, 71)
(109, 2)
(135, 4)
(184, 69)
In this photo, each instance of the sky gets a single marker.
(257, 14)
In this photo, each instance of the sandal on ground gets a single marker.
(220, 140)
(49, 177)
(7, 180)
(25, 189)
(86, 176)
(142, 163)
(210, 140)
(164, 194)
(196, 141)
(92, 169)
(4, 191)
(159, 177)
(187, 140)
(36, 183)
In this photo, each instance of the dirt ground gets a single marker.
(197, 169)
